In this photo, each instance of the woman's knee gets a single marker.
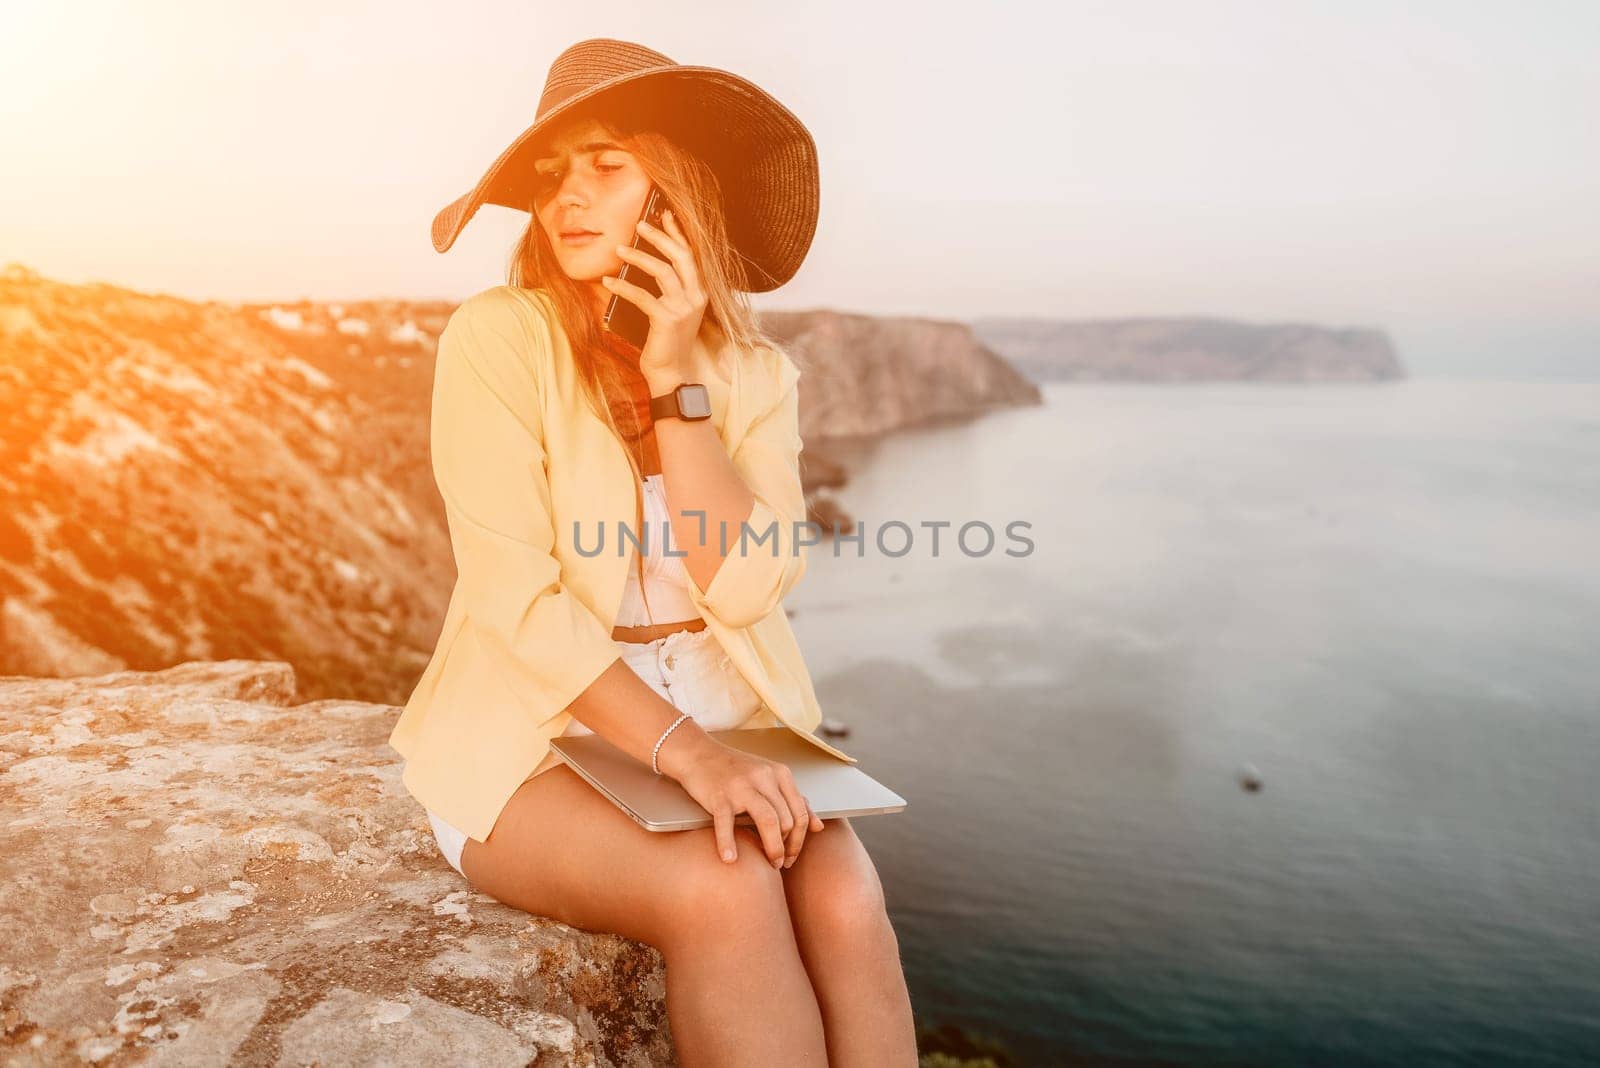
(850, 909)
(840, 894)
(709, 892)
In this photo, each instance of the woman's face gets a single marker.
(584, 183)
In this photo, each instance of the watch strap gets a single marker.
(664, 406)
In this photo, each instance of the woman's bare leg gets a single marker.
(737, 992)
(850, 951)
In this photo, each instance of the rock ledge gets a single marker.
(196, 869)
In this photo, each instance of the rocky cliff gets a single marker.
(186, 480)
(869, 375)
(1194, 349)
(200, 481)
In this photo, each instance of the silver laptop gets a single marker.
(657, 803)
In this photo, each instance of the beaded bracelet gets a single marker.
(653, 765)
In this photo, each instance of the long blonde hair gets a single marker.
(692, 191)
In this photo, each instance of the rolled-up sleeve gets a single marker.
(763, 562)
(489, 463)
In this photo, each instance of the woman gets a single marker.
(778, 946)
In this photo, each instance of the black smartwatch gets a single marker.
(690, 401)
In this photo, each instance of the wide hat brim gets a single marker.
(764, 158)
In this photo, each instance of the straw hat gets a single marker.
(764, 158)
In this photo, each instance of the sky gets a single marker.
(1428, 168)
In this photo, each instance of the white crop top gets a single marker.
(665, 579)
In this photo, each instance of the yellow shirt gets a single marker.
(519, 458)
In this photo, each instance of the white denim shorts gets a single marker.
(687, 668)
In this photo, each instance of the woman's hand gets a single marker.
(676, 314)
(726, 781)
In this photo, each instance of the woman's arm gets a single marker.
(743, 553)
(734, 517)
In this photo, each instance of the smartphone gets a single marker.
(623, 317)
